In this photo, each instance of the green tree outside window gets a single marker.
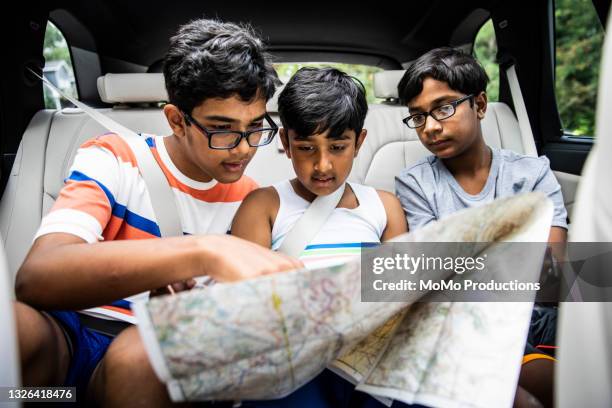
(365, 73)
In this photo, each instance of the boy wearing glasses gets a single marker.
(93, 247)
(445, 93)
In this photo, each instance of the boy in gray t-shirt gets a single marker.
(445, 93)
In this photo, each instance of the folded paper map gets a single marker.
(264, 338)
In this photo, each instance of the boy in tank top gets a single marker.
(322, 111)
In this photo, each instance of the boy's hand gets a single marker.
(229, 259)
(176, 287)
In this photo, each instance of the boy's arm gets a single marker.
(547, 183)
(255, 217)
(414, 202)
(557, 239)
(557, 234)
(396, 219)
(68, 268)
(62, 271)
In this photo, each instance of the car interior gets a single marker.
(116, 50)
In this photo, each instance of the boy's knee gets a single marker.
(34, 332)
(43, 350)
(127, 353)
(125, 375)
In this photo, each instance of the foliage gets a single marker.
(364, 73)
(485, 50)
(579, 40)
(55, 47)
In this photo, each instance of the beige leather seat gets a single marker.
(44, 157)
(9, 354)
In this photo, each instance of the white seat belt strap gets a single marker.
(160, 192)
(521, 112)
(310, 223)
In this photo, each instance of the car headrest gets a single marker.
(385, 83)
(149, 87)
(132, 88)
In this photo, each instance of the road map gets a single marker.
(264, 338)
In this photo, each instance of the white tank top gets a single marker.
(345, 232)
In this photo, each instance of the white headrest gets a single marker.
(385, 83)
(132, 88)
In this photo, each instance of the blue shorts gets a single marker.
(541, 338)
(88, 348)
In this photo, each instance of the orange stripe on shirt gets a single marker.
(128, 232)
(116, 145)
(118, 310)
(84, 196)
(113, 227)
(220, 193)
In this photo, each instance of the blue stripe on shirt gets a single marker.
(119, 210)
(142, 223)
(346, 245)
(124, 304)
(78, 176)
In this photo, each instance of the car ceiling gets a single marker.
(137, 31)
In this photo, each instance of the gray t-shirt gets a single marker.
(428, 191)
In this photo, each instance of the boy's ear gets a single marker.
(360, 138)
(284, 137)
(481, 105)
(175, 119)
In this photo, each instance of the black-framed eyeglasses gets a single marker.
(229, 139)
(439, 113)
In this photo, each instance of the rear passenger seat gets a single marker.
(52, 139)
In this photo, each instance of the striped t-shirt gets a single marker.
(106, 198)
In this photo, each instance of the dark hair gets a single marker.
(459, 70)
(317, 99)
(213, 59)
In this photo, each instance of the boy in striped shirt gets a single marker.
(93, 250)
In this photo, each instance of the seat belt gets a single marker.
(160, 192)
(310, 223)
(521, 111)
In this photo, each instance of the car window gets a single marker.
(58, 68)
(485, 50)
(578, 42)
(365, 73)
